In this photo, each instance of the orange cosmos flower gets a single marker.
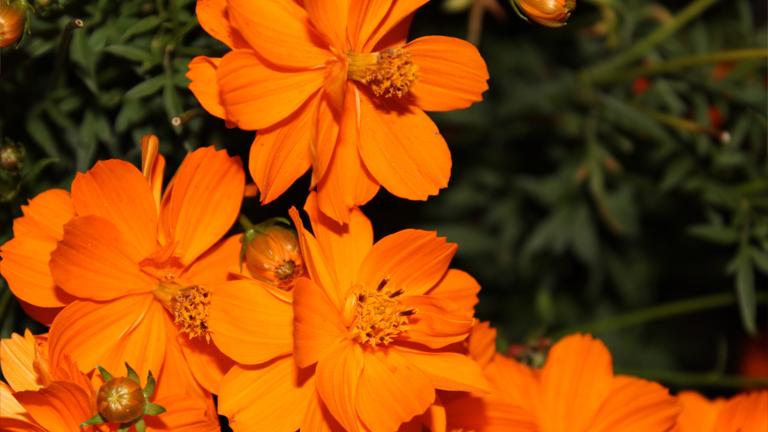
(575, 391)
(41, 397)
(136, 266)
(332, 85)
(360, 344)
(746, 412)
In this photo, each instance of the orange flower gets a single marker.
(332, 85)
(576, 390)
(137, 266)
(746, 412)
(373, 332)
(39, 397)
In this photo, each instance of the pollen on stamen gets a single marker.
(389, 73)
(190, 311)
(378, 316)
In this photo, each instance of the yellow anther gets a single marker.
(389, 73)
(376, 316)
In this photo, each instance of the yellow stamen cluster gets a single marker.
(389, 73)
(379, 316)
(190, 311)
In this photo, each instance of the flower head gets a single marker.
(333, 85)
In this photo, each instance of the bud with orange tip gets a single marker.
(13, 21)
(550, 13)
(271, 253)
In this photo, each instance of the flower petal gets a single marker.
(13, 416)
(452, 74)
(183, 414)
(437, 322)
(214, 19)
(372, 20)
(17, 357)
(403, 150)
(489, 415)
(482, 343)
(269, 397)
(44, 316)
(578, 368)
(746, 412)
(324, 141)
(447, 370)
(459, 288)
(330, 18)
(129, 329)
(95, 261)
(61, 406)
(318, 418)
(256, 95)
(338, 379)
(391, 391)
(411, 260)
(319, 270)
(636, 405)
(118, 192)
(317, 323)
(204, 83)
(697, 412)
(347, 182)
(248, 322)
(282, 153)
(204, 201)
(25, 258)
(280, 31)
(217, 264)
(207, 363)
(175, 376)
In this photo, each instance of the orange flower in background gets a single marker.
(746, 412)
(332, 85)
(136, 264)
(575, 391)
(39, 397)
(360, 344)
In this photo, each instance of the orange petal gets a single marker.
(13, 416)
(482, 343)
(280, 31)
(437, 322)
(269, 397)
(403, 150)
(283, 152)
(347, 182)
(514, 383)
(344, 246)
(636, 405)
(576, 379)
(338, 380)
(214, 19)
(17, 356)
(318, 418)
(183, 414)
(95, 261)
(248, 322)
(330, 18)
(452, 75)
(61, 406)
(217, 264)
(25, 258)
(129, 329)
(391, 391)
(319, 270)
(697, 412)
(372, 20)
(44, 316)
(746, 412)
(153, 166)
(256, 95)
(204, 84)
(118, 192)
(326, 135)
(459, 288)
(411, 260)
(205, 361)
(175, 376)
(447, 370)
(317, 323)
(204, 201)
(473, 413)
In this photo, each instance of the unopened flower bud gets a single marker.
(11, 156)
(121, 400)
(273, 254)
(550, 13)
(13, 19)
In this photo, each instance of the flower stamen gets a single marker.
(377, 316)
(389, 73)
(189, 307)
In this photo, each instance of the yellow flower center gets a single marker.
(389, 73)
(376, 316)
(189, 307)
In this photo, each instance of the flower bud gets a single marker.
(13, 19)
(273, 254)
(550, 13)
(11, 157)
(121, 400)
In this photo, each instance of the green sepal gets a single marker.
(245, 240)
(124, 427)
(97, 419)
(518, 11)
(106, 376)
(132, 374)
(140, 426)
(149, 389)
(153, 409)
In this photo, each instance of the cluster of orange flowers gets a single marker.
(321, 329)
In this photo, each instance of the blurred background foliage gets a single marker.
(614, 180)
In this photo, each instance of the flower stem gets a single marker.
(641, 47)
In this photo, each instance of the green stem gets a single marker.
(245, 222)
(641, 47)
(658, 312)
(696, 380)
(678, 64)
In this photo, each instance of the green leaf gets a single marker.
(142, 26)
(171, 98)
(745, 289)
(41, 134)
(720, 234)
(130, 53)
(760, 259)
(140, 426)
(146, 88)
